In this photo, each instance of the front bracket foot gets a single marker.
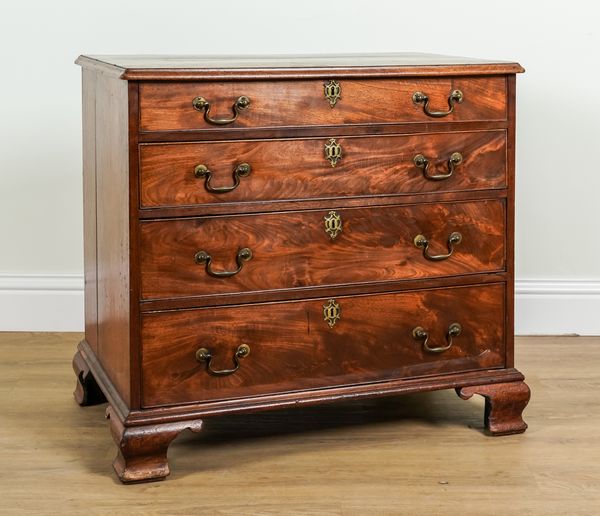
(504, 405)
(142, 450)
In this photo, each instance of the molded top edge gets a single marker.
(179, 67)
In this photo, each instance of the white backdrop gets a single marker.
(558, 185)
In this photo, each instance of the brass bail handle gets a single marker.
(201, 104)
(204, 355)
(240, 170)
(455, 97)
(203, 258)
(422, 162)
(419, 333)
(421, 242)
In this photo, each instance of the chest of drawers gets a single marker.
(271, 232)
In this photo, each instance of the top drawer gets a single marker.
(185, 106)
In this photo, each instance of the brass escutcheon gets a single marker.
(333, 224)
(333, 92)
(332, 312)
(333, 152)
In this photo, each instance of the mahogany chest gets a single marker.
(265, 232)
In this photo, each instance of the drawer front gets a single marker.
(292, 346)
(172, 174)
(319, 247)
(174, 106)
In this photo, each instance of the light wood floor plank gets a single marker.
(418, 454)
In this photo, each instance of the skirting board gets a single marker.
(54, 302)
(41, 302)
(557, 307)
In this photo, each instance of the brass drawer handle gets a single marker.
(423, 163)
(421, 98)
(421, 242)
(454, 330)
(204, 355)
(201, 104)
(241, 170)
(243, 255)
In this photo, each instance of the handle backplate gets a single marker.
(422, 162)
(203, 258)
(240, 170)
(421, 242)
(456, 97)
(205, 355)
(419, 333)
(201, 104)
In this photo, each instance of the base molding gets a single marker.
(143, 436)
(202, 410)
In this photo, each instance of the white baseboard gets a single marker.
(54, 302)
(41, 302)
(557, 307)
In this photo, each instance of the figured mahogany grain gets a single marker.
(168, 106)
(298, 169)
(293, 348)
(292, 249)
(149, 306)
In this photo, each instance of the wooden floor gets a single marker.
(415, 455)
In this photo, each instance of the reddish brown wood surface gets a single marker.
(142, 450)
(90, 248)
(182, 303)
(293, 348)
(168, 106)
(504, 405)
(234, 67)
(139, 155)
(205, 210)
(323, 131)
(87, 391)
(298, 168)
(134, 243)
(510, 222)
(112, 230)
(292, 250)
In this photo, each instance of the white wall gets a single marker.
(558, 187)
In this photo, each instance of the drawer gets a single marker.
(319, 247)
(320, 343)
(310, 168)
(174, 106)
